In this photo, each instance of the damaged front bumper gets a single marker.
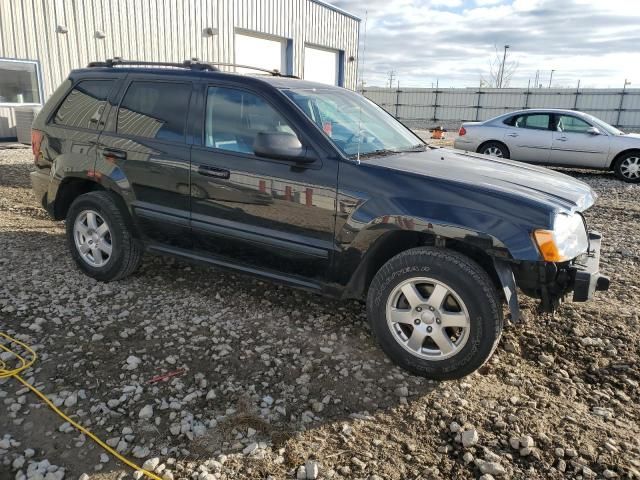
(552, 282)
(587, 278)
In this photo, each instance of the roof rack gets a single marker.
(193, 64)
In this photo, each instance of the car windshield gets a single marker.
(605, 126)
(357, 126)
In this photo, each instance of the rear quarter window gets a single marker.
(83, 106)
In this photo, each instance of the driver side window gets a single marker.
(569, 123)
(235, 117)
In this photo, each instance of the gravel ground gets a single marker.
(275, 383)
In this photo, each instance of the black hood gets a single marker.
(559, 191)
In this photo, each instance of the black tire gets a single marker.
(623, 173)
(470, 283)
(126, 253)
(504, 151)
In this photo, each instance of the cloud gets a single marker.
(453, 42)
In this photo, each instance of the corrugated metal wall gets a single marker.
(428, 107)
(162, 30)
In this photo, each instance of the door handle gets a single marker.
(114, 153)
(512, 134)
(562, 139)
(208, 171)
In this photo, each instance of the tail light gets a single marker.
(36, 140)
(462, 131)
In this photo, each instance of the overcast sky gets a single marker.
(596, 41)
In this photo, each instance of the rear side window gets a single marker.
(235, 117)
(534, 121)
(155, 110)
(84, 105)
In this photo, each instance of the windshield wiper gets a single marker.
(374, 153)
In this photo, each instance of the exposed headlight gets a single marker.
(567, 240)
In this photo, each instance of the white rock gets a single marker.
(71, 400)
(18, 463)
(151, 464)
(301, 473)
(311, 470)
(249, 449)
(146, 412)
(469, 437)
(140, 452)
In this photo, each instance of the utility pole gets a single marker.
(551, 78)
(504, 59)
(392, 75)
(624, 88)
(536, 82)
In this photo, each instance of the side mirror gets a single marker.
(280, 146)
(594, 131)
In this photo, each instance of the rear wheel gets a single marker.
(627, 168)
(435, 313)
(99, 238)
(494, 149)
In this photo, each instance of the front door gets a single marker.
(265, 214)
(144, 155)
(574, 145)
(529, 137)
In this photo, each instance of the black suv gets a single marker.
(316, 187)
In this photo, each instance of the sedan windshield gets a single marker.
(357, 126)
(605, 126)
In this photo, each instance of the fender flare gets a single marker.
(508, 282)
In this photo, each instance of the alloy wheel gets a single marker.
(630, 168)
(493, 151)
(428, 318)
(93, 238)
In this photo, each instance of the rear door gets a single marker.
(144, 155)
(73, 128)
(574, 145)
(529, 137)
(268, 215)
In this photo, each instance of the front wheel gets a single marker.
(627, 168)
(435, 313)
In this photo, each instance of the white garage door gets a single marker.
(260, 52)
(321, 65)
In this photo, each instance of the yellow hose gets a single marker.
(5, 372)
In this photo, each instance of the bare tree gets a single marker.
(501, 70)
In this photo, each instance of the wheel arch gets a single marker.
(69, 189)
(622, 154)
(394, 242)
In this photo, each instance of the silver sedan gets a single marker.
(555, 137)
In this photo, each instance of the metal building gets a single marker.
(41, 41)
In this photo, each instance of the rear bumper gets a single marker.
(40, 186)
(461, 143)
(587, 278)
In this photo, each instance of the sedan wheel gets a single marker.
(630, 168)
(493, 151)
(627, 168)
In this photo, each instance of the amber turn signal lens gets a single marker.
(547, 246)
